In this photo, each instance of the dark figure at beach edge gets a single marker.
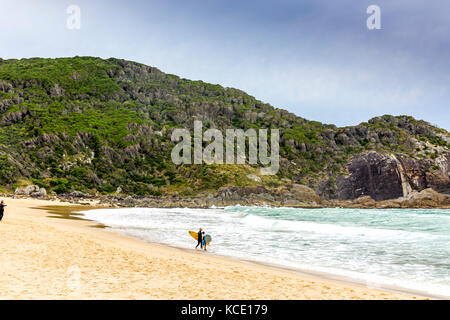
(2, 209)
(199, 239)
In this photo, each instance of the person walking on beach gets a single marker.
(199, 239)
(203, 240)
(2, 209)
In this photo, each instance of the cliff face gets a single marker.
(386, 176)
(104, 126)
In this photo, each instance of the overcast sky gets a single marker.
(315, 58)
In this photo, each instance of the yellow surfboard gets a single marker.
(195, 236)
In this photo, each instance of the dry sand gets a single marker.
(48, 258)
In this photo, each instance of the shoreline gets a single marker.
(290, 196)
(143, 270)
(299, 271)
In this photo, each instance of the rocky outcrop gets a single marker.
(32, 191)
(254, 178)
(301, 193)
(290, 196)
(386, 176)
(424, 199)
(14, 117)
(76, 194)
(255, 196)
(371, 174)
(427, 198)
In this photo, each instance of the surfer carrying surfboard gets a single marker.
(200, 239)
(203, 239)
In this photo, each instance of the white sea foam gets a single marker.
(331, 229)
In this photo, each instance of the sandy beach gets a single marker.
(47, 258)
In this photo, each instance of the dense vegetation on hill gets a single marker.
(95, 125)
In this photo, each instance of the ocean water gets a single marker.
(408, 248)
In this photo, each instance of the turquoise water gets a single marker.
(408, 248)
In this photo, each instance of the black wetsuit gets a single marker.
(2, 209)
(199, 239)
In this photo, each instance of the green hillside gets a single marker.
(94, 125)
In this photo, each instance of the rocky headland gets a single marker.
(87, 127)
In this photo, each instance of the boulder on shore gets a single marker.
(426, 198)
(304, 194)
(31, 190)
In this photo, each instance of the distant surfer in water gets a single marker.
(200, 239)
